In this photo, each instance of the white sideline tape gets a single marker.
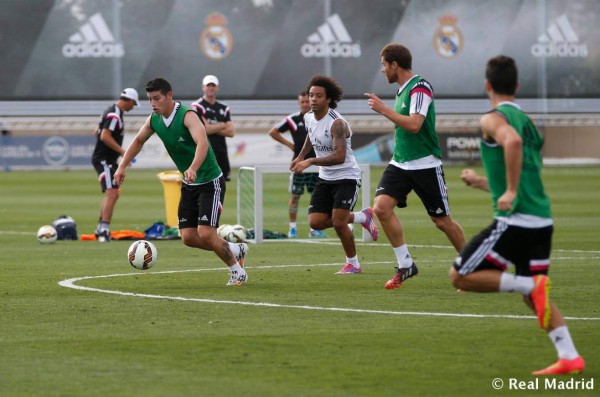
(70, 283)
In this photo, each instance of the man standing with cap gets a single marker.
(217, 119)
(109, 138)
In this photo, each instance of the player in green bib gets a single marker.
(416, 164)
(203, 186)
(521, 234)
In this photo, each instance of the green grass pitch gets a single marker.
(296, 329)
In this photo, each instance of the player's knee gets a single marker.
(455, 278)
(316, 225)
(442, 223)
(380, 211)
(339, 224)
(187, 240)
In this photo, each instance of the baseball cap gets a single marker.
(131, 93)
(210, 79)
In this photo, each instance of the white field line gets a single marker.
(71, 283)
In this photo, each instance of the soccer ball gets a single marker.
(223, 231)
(238, 233)
(142, 255)
(46, 234)
(233, 234)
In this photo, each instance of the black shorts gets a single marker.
(223, 161)
(329, 195)
(201, 204)
(429, 184)
(299, 181)
(501, 245)
(106, 172)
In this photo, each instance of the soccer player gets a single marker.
(109, 139)
(416, 163)
(521, 233)
(203, 187)
(294, 123)
(336, 191)
(217, 120)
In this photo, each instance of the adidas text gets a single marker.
(93, 40)
(331, 40)
(93, 50)
(559, 40)
(332, 50)
(559, 50)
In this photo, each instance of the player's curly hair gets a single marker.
(333, 90)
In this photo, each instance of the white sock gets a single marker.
(353, 261)
(235, 267)
(561, 338)
(511, 283)
(359, 217)
(235, 249)
(403, 257)
(293, 225)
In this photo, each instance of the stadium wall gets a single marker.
(268, 49)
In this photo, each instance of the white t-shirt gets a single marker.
(319, 133)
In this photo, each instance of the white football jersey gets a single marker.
(319, 133)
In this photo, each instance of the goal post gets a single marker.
(252, 182)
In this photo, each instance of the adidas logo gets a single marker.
(560, 40)
(204, 218)
(93, 40)
(331, 39)
(181, 139)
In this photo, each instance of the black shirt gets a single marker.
(295, 124)
(217, 112)
(112, 120)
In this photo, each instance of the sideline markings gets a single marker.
(71, 283)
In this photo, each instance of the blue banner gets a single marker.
(46, 152)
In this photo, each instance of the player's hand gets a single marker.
(374, 102)
(469, 176)
(119, 176)
(301, 166)
(505, 202)
(189, 175)
(294, 163)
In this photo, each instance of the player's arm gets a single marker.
(219, 128)
(339, 133)
(198, 133)
(306, 148)
(276, 134)
(411, 123)
(107, 138)
(495, 127)
(133, 149)
(471, 178)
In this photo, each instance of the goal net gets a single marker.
(263, 201)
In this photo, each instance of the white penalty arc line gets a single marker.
(70, 283)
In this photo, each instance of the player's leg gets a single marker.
(392, 192)
(452, 230)
(481, 265)
(340, 217)
(111, 195)
(295, 191)
(537, 249)
(430, 186)
(108, 204)
(321, 207)
(202, 205)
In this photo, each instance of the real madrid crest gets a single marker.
(448, 39)
(216, 40)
